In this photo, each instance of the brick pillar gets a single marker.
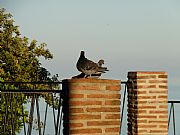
(92, 107)
(148, 103)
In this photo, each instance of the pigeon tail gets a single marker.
(103, 69)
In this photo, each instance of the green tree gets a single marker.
(19, 57)
(19, 61)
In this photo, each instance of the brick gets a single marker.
(146, 107)
(112, 116)
(163, 106)
(160, 101)
(112, 102)
(147, 116)
(140, 121)
(84, 103)
(76, 96)
(158, 121)
(76, 110)
(162, 76)
(147, 97)
(112, 130)
(146, 77)
(163, 86)
(158, 131)
(86, 131)
(141, 102)
(111, 96)
(103, 109)
(86, 87)
(84, 117)
(163, 116)
(158, 111)
(75, 125)
(158, 81)
(102, 123)
(141, 92)
(113, 87)
(158, 91)
(139, 81)
(145, 86)
(142, 131)
(146, 126)
(151, 72)
(163, 126)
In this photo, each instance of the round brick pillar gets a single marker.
(91, 106)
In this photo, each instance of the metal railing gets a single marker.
(172, 112)
(21, 106)
(26, 106)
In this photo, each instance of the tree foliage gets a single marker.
(18, 56)
(19, 61)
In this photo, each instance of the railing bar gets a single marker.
(59, 105)
(11, 107)
(23, 114)
(31, 116)
(169, 120)
(11, 112)
(30, 91)
(6, 113)
(174, 101)
(124, 82)
(123, 106)
(2, 114)
(45, 118)
(38, 114)
(60, 96)
(14, 96)
(60, 122)
(54, 113)
(60, 82)
(174, 121)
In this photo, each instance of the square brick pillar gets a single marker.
(147, 103)
(91, 106)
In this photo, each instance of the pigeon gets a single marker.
(96, 75)
(88, 67)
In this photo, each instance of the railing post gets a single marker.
(91, 106)
(148, 103)
(174, 125)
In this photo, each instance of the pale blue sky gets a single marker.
(130, 35)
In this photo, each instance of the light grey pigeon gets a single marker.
(98, 74)
(89, 67)
(100, 63)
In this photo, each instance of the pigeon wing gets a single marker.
(89, 65)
